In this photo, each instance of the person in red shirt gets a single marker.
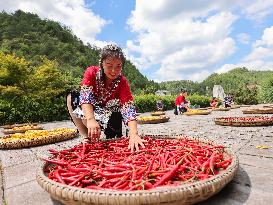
(181, 103)
(105, 100)
(214, 102)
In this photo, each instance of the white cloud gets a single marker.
(263, 48)
(179, 43)
(261, 56)
(187, 39)
(257, 9)
(72, 13)
(243, 38)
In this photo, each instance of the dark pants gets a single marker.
(114, 126)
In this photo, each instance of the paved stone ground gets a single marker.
(253, 184)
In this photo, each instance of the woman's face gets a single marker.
(112, 67)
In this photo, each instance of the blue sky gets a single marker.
(170, 39)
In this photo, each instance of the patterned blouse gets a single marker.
(117, 97)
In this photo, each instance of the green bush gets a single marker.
(33, 111)
(266, 91)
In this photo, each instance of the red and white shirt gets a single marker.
(117, 97)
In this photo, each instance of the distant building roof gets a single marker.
(163, 92)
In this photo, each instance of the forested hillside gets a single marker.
(248, 87)
(30, 37)
(40, 60)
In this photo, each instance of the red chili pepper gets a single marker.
(54, 161)
(168, 175)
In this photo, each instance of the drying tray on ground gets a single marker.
(18, 125)
(235, 106)
(152, 119)
(166, 171)
(244, 121)
(222, 109)
(36, 138)
(22, 129)
(258, 111)
(157, 113)
(197, 112)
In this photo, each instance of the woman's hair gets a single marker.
(113, 51)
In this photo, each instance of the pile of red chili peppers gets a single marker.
(246, 119)
(110, 165)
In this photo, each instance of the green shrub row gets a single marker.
(33, 111)
(29, 110)
(147, 103)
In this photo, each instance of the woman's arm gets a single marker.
(92, 125)
(134, 139)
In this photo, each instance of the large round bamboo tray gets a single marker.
(197, 113)
(204, 108)
(244, 121)
(268, 106)
(244, 105)
(171, 195)
(17, 125)
(158, 113)
(50, 139)
(235, 106)
(222, 109)
(11, 131)
(258, 111)
(160, 119)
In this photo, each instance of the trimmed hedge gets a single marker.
(30, 110)
(147, 103)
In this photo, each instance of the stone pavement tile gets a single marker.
(16, 156)
(59, 124)
(256, 161)
(20, 174)
(70, 143)
(242, 178)
(258, 197)
(250, 149)
(28, 194)
(40, 151)
(232, 194)
(260, 179)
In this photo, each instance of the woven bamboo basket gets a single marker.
(235, 106)
(222, 109)
(203, 108)
(244, 121)
(17, 125)
(50, 139)
(157, 113)
(10, 131)
(244, 105)
(268, 106)
(197, 113)
(174, 195)
(154, 121)
(258, 111)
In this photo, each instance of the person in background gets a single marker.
(159, 105)
(228, 101)
(105, 100)
(214, 102)
(181, 103)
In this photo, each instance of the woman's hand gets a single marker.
(134, 141)
(94, 129)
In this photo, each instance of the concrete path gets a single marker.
(253, 184)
